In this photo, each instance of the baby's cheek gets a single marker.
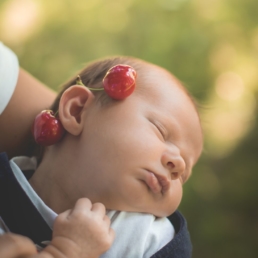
(178, 193)
(174, 198)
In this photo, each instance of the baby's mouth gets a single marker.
(157, 183)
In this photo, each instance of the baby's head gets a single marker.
(133, 154)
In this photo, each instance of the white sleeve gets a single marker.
(9, 71)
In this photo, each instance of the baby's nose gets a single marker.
(176, 167)
(174, 163)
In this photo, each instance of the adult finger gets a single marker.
(12, 245)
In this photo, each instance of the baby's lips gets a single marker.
(165, 183)
(157, 183)
(153, 183)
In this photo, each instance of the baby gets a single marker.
(132, 155)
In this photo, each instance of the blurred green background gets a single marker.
(210, 45)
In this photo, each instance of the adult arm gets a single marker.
(16, 246)
(29, 98)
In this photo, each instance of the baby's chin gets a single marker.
(157, 212)
(157, 208)
(161, 209)
(162, 213)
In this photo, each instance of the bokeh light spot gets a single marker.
(229, 86)
(20, 19)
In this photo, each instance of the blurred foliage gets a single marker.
(210, 45)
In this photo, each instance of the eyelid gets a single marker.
(160, 128)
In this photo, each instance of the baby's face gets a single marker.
(136, 154)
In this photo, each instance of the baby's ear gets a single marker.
(72, 103)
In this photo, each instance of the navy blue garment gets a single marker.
(180, 246)
(17, 210)
(21, 217)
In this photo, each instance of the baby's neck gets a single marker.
(50, 187)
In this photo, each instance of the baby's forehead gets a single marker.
(159, 85)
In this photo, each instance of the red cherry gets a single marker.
(119, 81)
(47, 129)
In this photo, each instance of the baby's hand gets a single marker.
(81, 232)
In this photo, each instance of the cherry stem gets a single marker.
(79, 82)
(55, 115)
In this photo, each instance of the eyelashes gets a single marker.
(160, 129)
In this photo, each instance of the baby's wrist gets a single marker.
(61, 247)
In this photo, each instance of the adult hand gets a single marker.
(16, 246)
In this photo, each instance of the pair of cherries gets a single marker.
(119, 83)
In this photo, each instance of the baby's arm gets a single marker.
(81, 232)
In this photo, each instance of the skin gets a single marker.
(15, 246)
(131, 155)
(86, 221)
(29, 98)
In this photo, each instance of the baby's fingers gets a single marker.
(112, 235)
(99, 209)
(83, 205)
(64, 215)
